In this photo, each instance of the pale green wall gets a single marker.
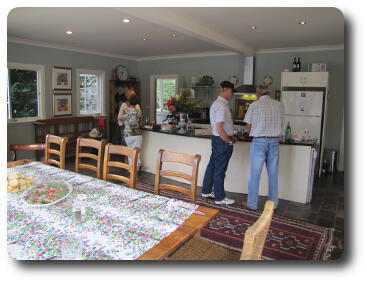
(27, 54)
(273, 64)
(219, 67)
(222, 67)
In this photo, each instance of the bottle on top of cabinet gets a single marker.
(296, 65)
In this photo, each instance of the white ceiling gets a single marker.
(197, 29)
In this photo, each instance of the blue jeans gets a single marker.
(217, 167)
(263, 150)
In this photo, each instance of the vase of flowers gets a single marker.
(180, 106)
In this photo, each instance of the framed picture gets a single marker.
(61, 78)
(62, 104)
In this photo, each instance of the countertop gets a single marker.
(244, 139)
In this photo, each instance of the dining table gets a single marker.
(117, 223)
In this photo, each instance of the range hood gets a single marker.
(248, 77)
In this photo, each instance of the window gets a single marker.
(164, 88)
(25, 92)
(90, 92)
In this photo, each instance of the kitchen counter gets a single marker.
(242, 139)
(296, 163)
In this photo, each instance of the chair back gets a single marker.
(181, 158)
(256, 234)
(24, 147)
(123, 151)
(82, 143)
(61, 142)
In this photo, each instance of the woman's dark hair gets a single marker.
(133, 99)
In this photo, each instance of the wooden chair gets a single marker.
(256, 234)
(24, 147)
(51, 140)
(123, 151)
(182, 158)
(94, 144)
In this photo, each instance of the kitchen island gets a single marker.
(296, 164)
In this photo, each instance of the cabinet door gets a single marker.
(316, 79)
(292, 79)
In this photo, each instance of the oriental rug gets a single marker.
(288, 239)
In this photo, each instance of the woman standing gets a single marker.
(133, 121)
(120, 119)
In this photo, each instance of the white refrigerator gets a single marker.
(305, 109)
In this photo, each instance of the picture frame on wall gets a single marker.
(61, 78)
(62, 104)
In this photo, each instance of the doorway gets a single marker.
(163, 88)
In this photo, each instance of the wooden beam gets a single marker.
(169, 19)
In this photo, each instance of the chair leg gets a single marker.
(197, 235)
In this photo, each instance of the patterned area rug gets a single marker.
(288, 239)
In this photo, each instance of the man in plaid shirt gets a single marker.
(264, 118)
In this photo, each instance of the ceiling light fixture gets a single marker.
(145, 39)
(174, 35)
(126, 20)
(68, 32)
(253, 27)
(302, 23)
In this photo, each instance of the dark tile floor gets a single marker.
(326, 208)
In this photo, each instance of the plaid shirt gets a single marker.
(266, 117)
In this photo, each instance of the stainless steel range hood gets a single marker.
(248, 77)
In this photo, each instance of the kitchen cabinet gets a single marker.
(304, 79)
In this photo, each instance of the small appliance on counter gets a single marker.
(200, 115)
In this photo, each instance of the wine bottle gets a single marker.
(288, 132)
(294, 66)
(299, 65)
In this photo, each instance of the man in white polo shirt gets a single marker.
(222, 145)
(264, 118)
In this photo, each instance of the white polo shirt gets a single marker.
(266, 117)
(220, 112)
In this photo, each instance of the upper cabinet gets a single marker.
(305, 79)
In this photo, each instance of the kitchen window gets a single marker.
(90, 92)
(164, 87)
(25, 92)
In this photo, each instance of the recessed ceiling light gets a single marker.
(145, 39)
(68, 32)
(302, 23)
(252, 27)
(126, 20)
(174, 35)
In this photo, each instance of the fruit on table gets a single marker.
(18, 182)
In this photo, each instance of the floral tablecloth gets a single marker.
(119, 224)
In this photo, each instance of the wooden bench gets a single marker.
(70, 127)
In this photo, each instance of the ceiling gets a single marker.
(196, 29)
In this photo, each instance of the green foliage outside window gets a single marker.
(22, 93)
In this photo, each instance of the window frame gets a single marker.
(41, 94)
(101, 74)
(153, 79)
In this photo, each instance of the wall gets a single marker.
(222, 67)
(272, 65)
(219, 67)
(27, 54)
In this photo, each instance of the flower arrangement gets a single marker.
(182, 103)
